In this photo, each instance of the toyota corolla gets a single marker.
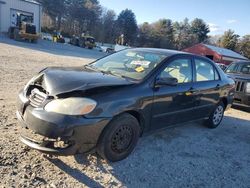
(107, 105)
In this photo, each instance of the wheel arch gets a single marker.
(225, 101)
(139, 118)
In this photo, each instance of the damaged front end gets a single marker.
(44, 144)
(40, 131)
(51, 132)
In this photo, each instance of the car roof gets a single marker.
(241, 62)
(161, 51)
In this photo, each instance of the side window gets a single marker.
(181, 69)
(232, 68)
(204, 71)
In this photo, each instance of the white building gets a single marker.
(30, 9)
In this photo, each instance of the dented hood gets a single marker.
(62, 80)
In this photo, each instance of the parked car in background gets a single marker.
(120, 47)
(222, 66)
(46, 36)
(74, 41)
(107, 49)
(113, 48)
(240, 72)
(107, 105)
(84, 41)
(98, 48)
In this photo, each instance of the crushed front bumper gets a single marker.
(77, 134)
(48, 147)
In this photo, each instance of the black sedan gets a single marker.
(107, 105)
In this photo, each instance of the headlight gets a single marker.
(71, 106)
(248, 87)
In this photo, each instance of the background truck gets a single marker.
(84, 41)
(23, 29)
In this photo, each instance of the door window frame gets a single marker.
(169, 61)
(209, 62)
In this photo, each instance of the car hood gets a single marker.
(62, 80)
(243, 77)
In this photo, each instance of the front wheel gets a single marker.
(119, 138)
(216, 116)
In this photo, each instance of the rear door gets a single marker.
(174, 104)
(208, 85)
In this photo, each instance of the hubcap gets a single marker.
(218, 114)
(121, 139)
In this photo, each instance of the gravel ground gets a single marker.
(185, 156)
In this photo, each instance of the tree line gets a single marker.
(232, 41)
(74, 17)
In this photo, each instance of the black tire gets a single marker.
(82, 43)
(111, 145)
(11, 33)
(216, 116)
(16, 35)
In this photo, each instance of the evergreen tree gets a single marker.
(200, 29)
(127, 25)
(244, 46)
(109, 30)
(229, 40)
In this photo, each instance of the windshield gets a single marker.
(134, 64)
(239, 68)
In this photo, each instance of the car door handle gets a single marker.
(191, 91)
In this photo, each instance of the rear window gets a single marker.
(205, 71)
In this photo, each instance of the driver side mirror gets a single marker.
(166, 82)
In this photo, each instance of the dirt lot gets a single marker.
(186, 156)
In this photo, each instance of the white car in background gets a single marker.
(111, 48)
(222, 66)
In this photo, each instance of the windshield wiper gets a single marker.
(112, 73)
(109, 72)
(106, 72)
(90, 67)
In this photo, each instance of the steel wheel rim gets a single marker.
(121, 139)
(218, 114)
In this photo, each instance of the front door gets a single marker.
(174, 104)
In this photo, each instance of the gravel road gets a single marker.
(184, 156)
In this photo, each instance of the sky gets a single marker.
(220, 15)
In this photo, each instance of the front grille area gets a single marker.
(240, 85)
(37, 98)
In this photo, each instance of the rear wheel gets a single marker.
(17, 35)
(11, 33)
(119, 138)
(216, 116)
